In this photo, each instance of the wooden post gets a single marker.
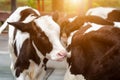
(42, 5)
(58, 5)
(89, 4)
(38, 5)
(13, 5)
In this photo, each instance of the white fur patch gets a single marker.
(100, 11)
(36, 72)
(69, 76)
(70, 37)
(117, 24)
(20, 38)
(72, 19)
(94, 27)
(69, 40)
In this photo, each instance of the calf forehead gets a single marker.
(46, 22)
(51, 29)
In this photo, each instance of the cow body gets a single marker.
(95, 53)
(72, 24)
(108, 13)
(17, 40)
(89, 40)
(32, 40)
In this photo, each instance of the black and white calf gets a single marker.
(95, 53)
(32, 39)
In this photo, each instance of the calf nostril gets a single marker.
(62, 54)
(59, 54)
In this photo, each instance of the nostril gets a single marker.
(63, 54)
(59, 54)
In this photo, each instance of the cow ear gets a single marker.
(20, 25)
(55, 16)
(97, 20)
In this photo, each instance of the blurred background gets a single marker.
(69, 6)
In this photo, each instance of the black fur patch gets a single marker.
(27, 53)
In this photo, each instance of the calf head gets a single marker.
(36, 34)
(44, 36)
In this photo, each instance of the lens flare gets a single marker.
(75, 1)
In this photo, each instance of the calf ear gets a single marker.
(98, 20)
(55, 16)
(24, 27)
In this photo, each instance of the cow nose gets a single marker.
(61, 55)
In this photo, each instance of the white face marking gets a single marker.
(100, 11)
(52, 30)
(94, 27)
(69, 76)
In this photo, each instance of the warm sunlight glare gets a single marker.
(74, 6)
(75, 1)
